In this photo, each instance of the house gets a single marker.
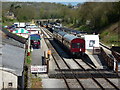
(10, 15)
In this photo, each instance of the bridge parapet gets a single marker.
(47, 19)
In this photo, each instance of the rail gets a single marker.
(63, 76)
(73, 74)
(104, 76)
(90, 74)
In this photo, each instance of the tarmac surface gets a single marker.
(38, 54)
(37, 59)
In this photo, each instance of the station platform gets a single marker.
(37, 60)
(96, 59)
(38, 54)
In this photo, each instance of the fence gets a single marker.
(109, 60)
(117, 57)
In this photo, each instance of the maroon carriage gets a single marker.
(75, 45)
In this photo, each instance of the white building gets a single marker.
(91, 41)
(33, 30)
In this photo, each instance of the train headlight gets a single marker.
(80, 50)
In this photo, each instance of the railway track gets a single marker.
(89, 73)
(99, 72)
(74, 75)
(68, 82)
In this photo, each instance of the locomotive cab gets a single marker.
(75, 45)
(78, 47)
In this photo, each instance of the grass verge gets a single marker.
(36, 83)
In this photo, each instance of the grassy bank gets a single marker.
(110, 35)
(8, 22)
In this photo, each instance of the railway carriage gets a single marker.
(75, 45)
(61, 35)
(55, 34)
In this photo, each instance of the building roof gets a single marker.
(13, 42)
(20, 30)
(11, 58)
(33, 29)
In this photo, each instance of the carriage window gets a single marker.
(77, 45)
(74, 45)
(82, 45)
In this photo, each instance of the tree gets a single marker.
(12, 8)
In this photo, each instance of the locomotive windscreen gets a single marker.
(77, 45)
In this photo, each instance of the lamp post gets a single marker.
(29, 44)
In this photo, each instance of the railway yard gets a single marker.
(66, 44)
(62, 70)
(78, 73)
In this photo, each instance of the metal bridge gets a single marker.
(47, 20)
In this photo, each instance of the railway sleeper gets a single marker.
(81, 75)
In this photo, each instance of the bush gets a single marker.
(84, 28)
(28, 60)
(25, 76)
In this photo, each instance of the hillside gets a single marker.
(111, 35)
(89, 16)
(26, 11)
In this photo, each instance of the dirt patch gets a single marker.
(36, 83)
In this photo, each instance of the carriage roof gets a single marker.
(62, 33)
(70, 37)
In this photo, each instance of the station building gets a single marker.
(11, 64)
